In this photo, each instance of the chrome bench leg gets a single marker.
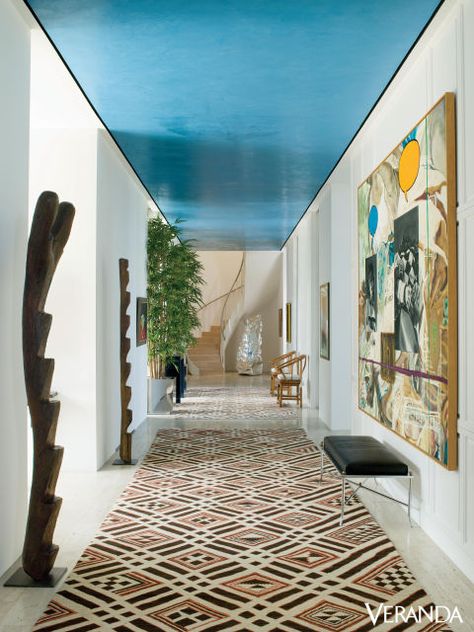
(409, 499)
(343, 499)
(321, 452)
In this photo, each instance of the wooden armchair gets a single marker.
(275, 369)
(290, 379)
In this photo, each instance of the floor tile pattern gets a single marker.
(239, 541)
(214, 403)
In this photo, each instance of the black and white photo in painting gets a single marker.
(407, 283)
(371, 293)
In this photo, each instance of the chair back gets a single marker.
(282, 358)
(295, 364)
(301, 365)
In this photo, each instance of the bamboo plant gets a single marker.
(174, 294)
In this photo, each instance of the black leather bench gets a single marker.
(363, 457)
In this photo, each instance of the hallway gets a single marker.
(224, 526)
(235, 193)
(231, 530)
(232, 397)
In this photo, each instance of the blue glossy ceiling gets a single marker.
(233, 112)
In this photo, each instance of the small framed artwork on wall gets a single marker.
(280, 322)
(324, 321)
(288, 322)
(142, 308)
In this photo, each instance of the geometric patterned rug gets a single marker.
(231, 530)
(232, 402)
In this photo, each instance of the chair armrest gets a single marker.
(282, 358)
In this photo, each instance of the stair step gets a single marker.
(211, 344)
(210, 365)
(206, 353)
(199, 363)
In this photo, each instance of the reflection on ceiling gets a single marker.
(233, 112)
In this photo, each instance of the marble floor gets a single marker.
(91, 495)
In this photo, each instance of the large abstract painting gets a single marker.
(407, 288)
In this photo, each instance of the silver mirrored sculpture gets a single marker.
(249, 354)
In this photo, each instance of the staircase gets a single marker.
(206, 353)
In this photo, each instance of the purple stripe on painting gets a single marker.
(399, 369)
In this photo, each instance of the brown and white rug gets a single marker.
(213, 403)
(231, 530)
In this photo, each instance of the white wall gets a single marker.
(63, 158)
(325, 372)
(313, 351)
(262, 296)
(14, 132)
(442, 61)
(219, 271)
(121, 232)
(73, 155)
(302, 291)
(340, 363)
(56, 101)
(71, 171)
(291, 293)
(51, 139)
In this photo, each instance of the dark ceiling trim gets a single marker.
(38, 21)
(435, 12)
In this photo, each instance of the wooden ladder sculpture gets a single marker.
(125, 449)
(49, 234)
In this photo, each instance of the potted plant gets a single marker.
(174, 297)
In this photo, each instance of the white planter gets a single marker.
(159, 400)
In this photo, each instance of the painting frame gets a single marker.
(280, 322)
(288, 323)
(436, 195)
(141, 321)
(324, 321)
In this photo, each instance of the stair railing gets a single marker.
(230, 313)
(232, 308)
(218, 298)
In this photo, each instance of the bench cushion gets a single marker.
(363, 456)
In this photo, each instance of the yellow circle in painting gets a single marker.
(409, 165)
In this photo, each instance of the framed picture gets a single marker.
(407, 303)
(280, 322)
(142, 308)
(288, 322)
(324, 321)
